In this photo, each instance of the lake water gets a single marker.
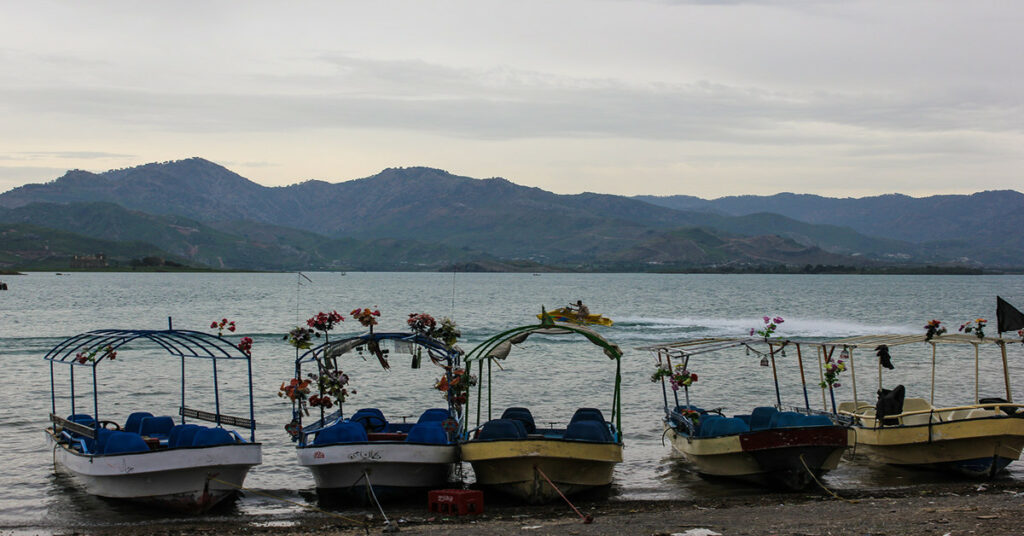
(550, 375)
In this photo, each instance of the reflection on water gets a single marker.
(547, 374)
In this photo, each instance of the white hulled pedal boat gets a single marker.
(154, 459)
(365, 455)
(512, 455)
(770, 445)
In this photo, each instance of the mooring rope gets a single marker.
(364, 524)
(586, 518)
(387, 523)
(830, 492)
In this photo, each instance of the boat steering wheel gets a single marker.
(109, 425)
(373, 423)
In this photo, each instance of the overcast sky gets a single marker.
(706, 98)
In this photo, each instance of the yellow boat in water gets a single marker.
(568, 316)
(512, 455)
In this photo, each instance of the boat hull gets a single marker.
(393, 468)
(511, 466)
(973, 447)
(787, 457)
(570, 317)
(192, 479)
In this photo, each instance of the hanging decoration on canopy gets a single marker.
(884, 359)
(933, 329)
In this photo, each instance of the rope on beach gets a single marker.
(830, 492)
(586, 518)
(388, 527)
(364, 524)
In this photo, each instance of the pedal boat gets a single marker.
(350, 457)
(151, 459)
(511, 455)
(977, 438)
(775, 448)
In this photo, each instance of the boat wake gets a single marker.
(640, 328)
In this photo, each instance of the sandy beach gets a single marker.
(960, 508)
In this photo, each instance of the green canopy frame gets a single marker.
(499, 346)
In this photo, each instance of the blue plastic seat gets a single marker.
(523, 415)
(586, 430)
(156, 426)
(124, 443)
(209, 437)
(369, 411)
(434, 415)
(371, 419)
(182, 435)
(761, 418)
(817, 420)
(787, 419)
(135, 421)
(342, 432)
(97, 445)
(428, 432)
(82, 418)
(503, 429)
(723, 427)
(705, 423)
(587, 414)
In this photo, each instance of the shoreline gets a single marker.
(960, 507)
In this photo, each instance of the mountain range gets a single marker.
(428, 219)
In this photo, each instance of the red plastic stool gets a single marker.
(456, 501)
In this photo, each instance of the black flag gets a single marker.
(1008, 318)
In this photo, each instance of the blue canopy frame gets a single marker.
(436, 350)
(179, 343)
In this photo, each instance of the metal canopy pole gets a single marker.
(977, 358)
(821, 376)
(1006, 372)
(95, 397)
(664, 393)
(775, 375)
(932, 401)
(53, 392)
(183, 388)
(252, 408)
(73, 390)
(216, 391)
(853, 373)
(803, 379)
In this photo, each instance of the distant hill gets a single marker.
(417, 216)
(24, 246)
(986, 219)
(227, 245)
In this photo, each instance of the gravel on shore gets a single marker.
(957, 508)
